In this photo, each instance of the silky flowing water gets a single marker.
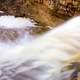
(40, 58)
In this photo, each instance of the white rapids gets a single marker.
(43, 58)
(13, 22)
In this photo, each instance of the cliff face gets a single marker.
(39, 11)
(44, 12)
(67, 8)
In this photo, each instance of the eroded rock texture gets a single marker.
(45, 12)
(67, 8)
(36, 10)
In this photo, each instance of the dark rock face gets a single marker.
(31, 9)
(67, 8)
(11, 6)
(53, 10)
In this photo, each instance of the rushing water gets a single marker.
(42, 58)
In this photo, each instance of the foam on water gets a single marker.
(13, 22)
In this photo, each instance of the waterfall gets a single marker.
(44, 57)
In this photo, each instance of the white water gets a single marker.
(63, 40)
(13, 22)
(49, 51)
